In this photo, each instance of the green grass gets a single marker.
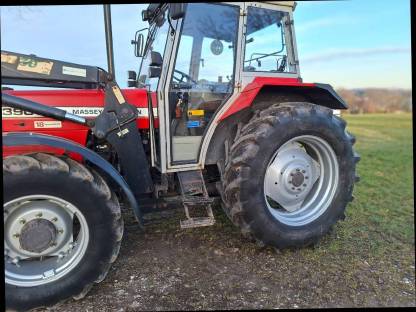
(383, 213)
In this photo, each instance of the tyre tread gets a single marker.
(19, 164)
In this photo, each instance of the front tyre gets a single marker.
(290, 174)
(62, 229)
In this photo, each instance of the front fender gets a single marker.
(35, 139)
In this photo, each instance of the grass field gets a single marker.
(382, 217)
(367, 260)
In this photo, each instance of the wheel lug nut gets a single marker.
(304, 184)
(61, 231)
(290, 182)
(293, 188)
(22, 221)
(297, 169)
(39, 215)
(306, 177)
(303, 171)
(17, 235)
(299, 189)
(54, 219)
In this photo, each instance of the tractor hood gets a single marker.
(84, 103)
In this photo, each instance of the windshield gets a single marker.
(156, 41)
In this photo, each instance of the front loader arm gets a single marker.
(116, 124)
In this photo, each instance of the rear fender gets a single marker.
(259, 94)
(316, 93)
(16, 139)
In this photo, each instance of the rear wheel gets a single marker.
(290, 174)
(62, 229)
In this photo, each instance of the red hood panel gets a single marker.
(86, 103)
(82, 98)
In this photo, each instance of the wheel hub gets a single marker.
(40, 244)
(291, 176)
(297, 179)
(301, 179)
(37, 228)
(37, 235)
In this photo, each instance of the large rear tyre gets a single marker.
(62, 230)
(290, 174)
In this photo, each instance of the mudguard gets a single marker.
(316, 93)
(24, 139)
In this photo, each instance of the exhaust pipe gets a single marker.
(40, 109)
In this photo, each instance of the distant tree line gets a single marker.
(375, 100)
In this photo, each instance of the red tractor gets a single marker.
(217, 110)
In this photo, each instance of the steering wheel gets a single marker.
(183, 75)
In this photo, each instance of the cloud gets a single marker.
(352, 53)
(323, 22)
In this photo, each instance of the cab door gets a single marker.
(202, 78)
(161, 40)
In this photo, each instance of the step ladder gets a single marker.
(195, 195)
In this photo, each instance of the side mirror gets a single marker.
(138, 43)
(154, 72)
(177, 10)
(155, 59)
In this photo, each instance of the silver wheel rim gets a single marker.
(45, 237)
(301, 180)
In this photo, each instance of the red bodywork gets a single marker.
(250, 91)
(85, 99)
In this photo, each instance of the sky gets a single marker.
(348, 44)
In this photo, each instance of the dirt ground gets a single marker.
(367, 260)
(212, 268)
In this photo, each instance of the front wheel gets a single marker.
(62, 229)
(290, 174)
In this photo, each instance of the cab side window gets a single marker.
(266, 49)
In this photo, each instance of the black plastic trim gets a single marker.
(341, 103)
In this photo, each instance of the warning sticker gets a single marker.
(47, 124)
(31, 65)
(73, 71)
(118, 95)
(196, 112)
(123, 132)
(7, 58)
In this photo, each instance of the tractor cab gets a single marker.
(197, 58)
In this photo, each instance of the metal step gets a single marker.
(196, 222)
(194, 194)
